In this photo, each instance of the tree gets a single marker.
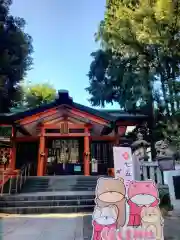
(115, 78)
(148, 31)
(38, 94)
(145, 36)
(15, 56)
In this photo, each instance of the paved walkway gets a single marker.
(63, 227)
(45, 228)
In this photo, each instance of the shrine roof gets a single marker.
(122, 115)
(64, 99)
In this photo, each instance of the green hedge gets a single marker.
(165, 201)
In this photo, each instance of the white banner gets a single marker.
(123, 163)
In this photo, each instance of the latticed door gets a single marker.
(102, 155)
(64, 154)
(64, 151)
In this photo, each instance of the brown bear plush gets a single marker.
(112, 191)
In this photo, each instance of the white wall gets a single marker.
(168, 179)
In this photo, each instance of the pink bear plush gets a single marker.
(141, 194)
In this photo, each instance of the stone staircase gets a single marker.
(52, 194)
(36, 184)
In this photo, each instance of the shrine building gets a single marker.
(63, 137)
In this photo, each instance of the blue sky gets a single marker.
(63, 38)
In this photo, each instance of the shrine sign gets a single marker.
(123, 163)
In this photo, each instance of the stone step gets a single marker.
(61, 184)
(37, 182)
(65, 177)
(36, 185)
(35, 178)
(52, 194)
(49, 196)
(67, 202)
(47, 184)
(49, 189)
(48, 209)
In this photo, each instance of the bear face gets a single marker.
(142, 192)
(151, 215)
(106, 215)
(110, 190)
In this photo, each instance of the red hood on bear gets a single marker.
(141, 194)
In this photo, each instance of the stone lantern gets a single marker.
(164, 156)
(139, 147)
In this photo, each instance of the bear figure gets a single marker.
(141, 194)
(152, 221)
(104, 218)
(111, 191)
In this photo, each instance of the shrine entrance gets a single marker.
(27, 152)
(101, 157)
(65, 156)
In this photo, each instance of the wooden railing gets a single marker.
(150, 170)
(4, 175)
(19, 176)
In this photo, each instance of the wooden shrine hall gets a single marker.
(64, 137)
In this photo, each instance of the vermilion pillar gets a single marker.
(87, 153)
(119, 131)
(13, 150)
(41, 156)
(116, 142)
(45, 160)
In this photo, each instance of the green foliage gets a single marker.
(38, 94)
(134, 23)
(165, 201)
(5, 131)
(15, 55)
(114, 78)
(138, 63)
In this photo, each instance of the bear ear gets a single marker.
(101, 179)
(98, 183)
(152, 183)
(121, 179)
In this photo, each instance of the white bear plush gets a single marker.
(105, 217)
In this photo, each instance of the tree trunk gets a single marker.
(171, 97)
(165, 94)
(151, 120)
